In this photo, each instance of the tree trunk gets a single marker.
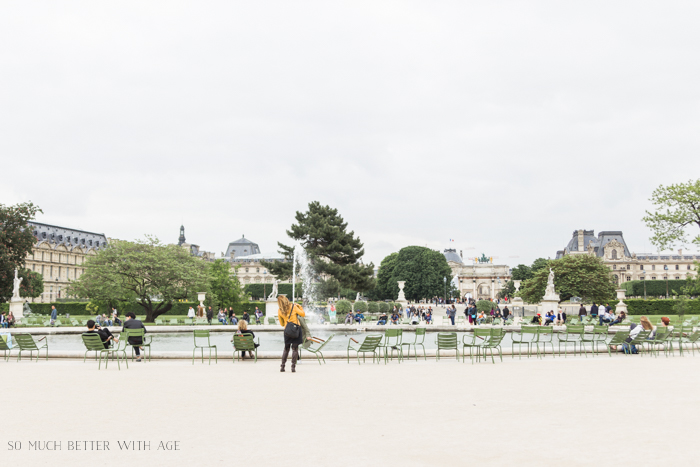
(153, 312)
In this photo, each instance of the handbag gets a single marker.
(291, 330)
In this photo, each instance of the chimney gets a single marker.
(680, 252)
(460, 254)
(580, 240)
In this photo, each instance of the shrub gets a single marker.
(384, 307)
(655, 288)
(485, 305)
(361, 307)
(373, 307)
(343, 307)
(636, 306)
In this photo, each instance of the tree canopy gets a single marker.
(423, 269)
(677, 209)
(582, 276)
(16, 242)
(333, 251)
(147, 272)
(521, 272)
(224, 287)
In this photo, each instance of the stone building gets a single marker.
(59, 254)
(194, 249)
(627, 266)
(481, 280)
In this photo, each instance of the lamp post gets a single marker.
(264, 284)
(666, 269)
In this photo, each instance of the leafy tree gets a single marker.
(225, 288)
(373, 307)
(360, 307)
(538, 264)
(485, 305)
(682, 306)
(508, 290)
(16, 242)
(147, 273)
(677, 207)
(343, 307)
(387, 287)
(521, 272)
(423, 270)
(692, 283)
(333, 251)
(574, 275)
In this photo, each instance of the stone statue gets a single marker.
(357, 299)
(273, 294)
(402, 297)
(15, 290)
(549, 291)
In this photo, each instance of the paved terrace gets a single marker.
(621, 411)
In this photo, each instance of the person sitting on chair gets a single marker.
(549, 318)
(130, 322)
(359, 317)
(221, 316)
(537, 319)
(620, 318)
(246, 316)
(394, 317)
(382, 319)
(244, 331)
(349, 318)
(105, 335)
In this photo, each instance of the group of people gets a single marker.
(108, 339)
(476, 317)
(415, 314)
(604, 314)
(225, 316)
(7, 321)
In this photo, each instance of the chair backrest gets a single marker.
(201, 334)
(243, 342)
(693, 337)
(619, 337)
(134, 332)
(482, 332)
(93, 342)
(25, 341)
(370, 343)
(447, 340)
(323, 344)
(270, 320)
(3, 344)
(575, 329)
(546, 331)
(642, 336)
(529, 329)
(393, 337)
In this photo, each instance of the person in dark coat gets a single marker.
(130, 322)
(594, 310)
(581, 312)
(210, 314)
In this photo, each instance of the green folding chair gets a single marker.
(476, 339)
(446, 341)
(244, 343)
(527, 337)
(571, 335)
(201, 341)
(93, 343)
(26, 343)
(418, 340)
(316, 349)
(545, 335)
(369, 345)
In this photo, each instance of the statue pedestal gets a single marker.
(17, 308)
(550, 303)
(271, 308)
(621, 306)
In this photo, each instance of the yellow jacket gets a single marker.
(297, 310)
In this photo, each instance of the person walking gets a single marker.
(452, 312)
(130, 322)
(594, 311)
(210, 314)
(190, 314)
(54, 315)
(582, 312)
(506, 313)
(288, 314)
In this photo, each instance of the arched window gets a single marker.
(614, 254)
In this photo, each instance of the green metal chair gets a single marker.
(244, 343)
(527, 337)
(93, 343)
(692, 340)
(446, 341)
(137, 333)
(600, 336)
(203, 336)
(494, 342)
(159, 321)
(173, 322)
(660, 338)
(392, 340)
(545, 335)
(26, 343)
(571, 335)
(419, 340)
(479, 337)
(271, 320)
(678, 333)
(369, 345)
(316, 350)
(5, 347)
(617, 339)
(638, 342)
(589, 338)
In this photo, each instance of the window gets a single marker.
(614, 266)
(689, 267)
(59, 271)
(641, 267)
(614, 254)
(629, 278)
(677, 267)
(653, 278)
(653, 267)
(628, 267)
(257, 269)
(42, 256)
(246, 269)
(678, 277)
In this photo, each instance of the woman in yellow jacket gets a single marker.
(289, 313)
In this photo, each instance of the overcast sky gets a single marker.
(503, 125)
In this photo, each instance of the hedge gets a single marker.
(655, 288)
(261, 291)
(343, 307)
(361, 307)
(373, 307)
(485, 305)
(179, 308)
(636, 306)
(384, 307)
